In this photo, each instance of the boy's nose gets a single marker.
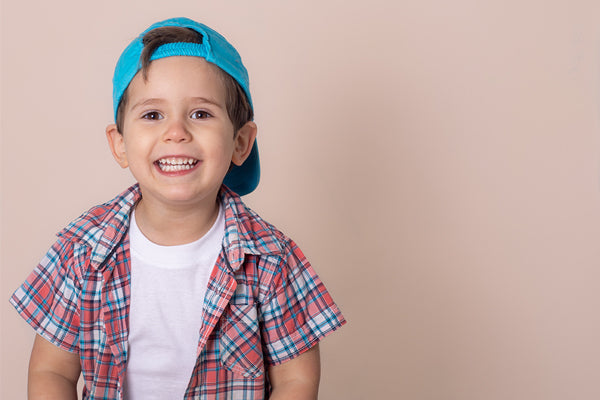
(177, 132)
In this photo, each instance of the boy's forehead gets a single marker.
(190, 78)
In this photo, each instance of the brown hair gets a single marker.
(238, 106)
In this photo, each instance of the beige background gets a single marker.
(439, 163)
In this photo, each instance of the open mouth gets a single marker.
(175, 164)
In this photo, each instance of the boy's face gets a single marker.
(177, 139)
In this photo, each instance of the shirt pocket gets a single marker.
(241, 348)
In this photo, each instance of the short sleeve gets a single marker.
(299, 312)
(48, 300)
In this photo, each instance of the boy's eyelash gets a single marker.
(155, 115)
(205, 114)
(152, 115)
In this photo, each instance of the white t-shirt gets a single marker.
(168, 284)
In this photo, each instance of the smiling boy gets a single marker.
(175, 289)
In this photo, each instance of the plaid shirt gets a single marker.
(264, 303)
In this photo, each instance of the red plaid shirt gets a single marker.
(264, 303)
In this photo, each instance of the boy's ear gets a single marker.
(117, 145)
(243, 142)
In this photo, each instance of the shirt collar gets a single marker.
(103, 227)
(245, 231)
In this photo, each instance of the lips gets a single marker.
(176, 164)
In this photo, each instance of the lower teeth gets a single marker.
(174, 168)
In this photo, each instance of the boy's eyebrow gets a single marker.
(208, 100)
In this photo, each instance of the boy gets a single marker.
(175, 289)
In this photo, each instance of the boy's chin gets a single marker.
(180, 196)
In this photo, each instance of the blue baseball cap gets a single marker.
(215, 49)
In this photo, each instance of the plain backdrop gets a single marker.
(437, 161)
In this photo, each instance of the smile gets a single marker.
(176, 164)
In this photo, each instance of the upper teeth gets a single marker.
(174, 164)
(177, 161)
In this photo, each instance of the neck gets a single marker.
(170, 226)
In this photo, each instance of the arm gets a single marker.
(298, 378)
(53, 372)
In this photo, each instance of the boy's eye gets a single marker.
(152, 115)
(200, 115)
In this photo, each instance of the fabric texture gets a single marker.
(264, 303)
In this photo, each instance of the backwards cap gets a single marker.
(215, 49)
